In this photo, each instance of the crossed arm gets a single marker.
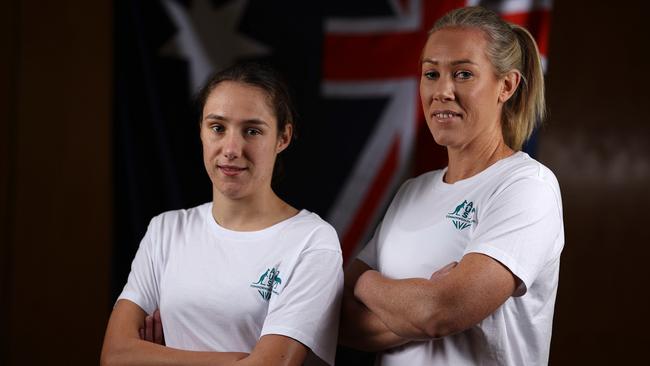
(123, 346)
(381, 313)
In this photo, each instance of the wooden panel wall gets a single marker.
(56, 102)
(598, 143)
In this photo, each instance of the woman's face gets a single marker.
(461, 96)
(239, 133)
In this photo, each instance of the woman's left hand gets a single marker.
(153, 329)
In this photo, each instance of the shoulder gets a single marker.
(319, 234)
(423, 181)
(178, 220)
(413, 192)
(525, 176)
(524, 171)
(415, 187)
(523, 166)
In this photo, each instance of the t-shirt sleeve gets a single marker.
(368, 254)
(522, 229)
(307, 309)
(142, 284)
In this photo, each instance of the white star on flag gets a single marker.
(207, 37)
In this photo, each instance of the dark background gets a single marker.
(58, 201)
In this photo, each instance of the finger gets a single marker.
(157, 328)
(148, 328)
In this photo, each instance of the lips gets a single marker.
(230, 170)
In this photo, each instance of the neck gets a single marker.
(468, 161)
(251, 213)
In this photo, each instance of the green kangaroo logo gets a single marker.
(458, 208)
(262, 277)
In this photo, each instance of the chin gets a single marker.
(231, 191)
(443, 140)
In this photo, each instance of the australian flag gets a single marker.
(353, 67)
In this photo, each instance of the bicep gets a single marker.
(473, 290)
(123, 325)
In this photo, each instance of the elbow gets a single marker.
(107, 359)
(112, 359)
(112, 356)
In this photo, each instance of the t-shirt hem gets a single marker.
(303, 338)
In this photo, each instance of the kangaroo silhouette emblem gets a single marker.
(268, 283)
(458, 208)
(262, 277)
(463, 215)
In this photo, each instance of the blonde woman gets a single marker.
(494, 213)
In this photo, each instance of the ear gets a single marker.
(510, 83)
(284, 138)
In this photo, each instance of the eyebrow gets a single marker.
(252, 121)
(453, 63)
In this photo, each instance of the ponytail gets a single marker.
(525, 110)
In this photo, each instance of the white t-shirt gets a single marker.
(512, 212)
(221, 290)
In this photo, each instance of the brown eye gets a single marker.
(253, 132)
(431, 74)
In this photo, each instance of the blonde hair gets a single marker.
(510, 47)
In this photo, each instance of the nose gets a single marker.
(232, 145)
(443, 90)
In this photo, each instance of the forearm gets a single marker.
(408, 307)
(123, 346)
(361, 329)
(136, 352)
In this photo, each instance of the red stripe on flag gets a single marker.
(434, 10)
(380, 55)
(371, 57)
(371, 201)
